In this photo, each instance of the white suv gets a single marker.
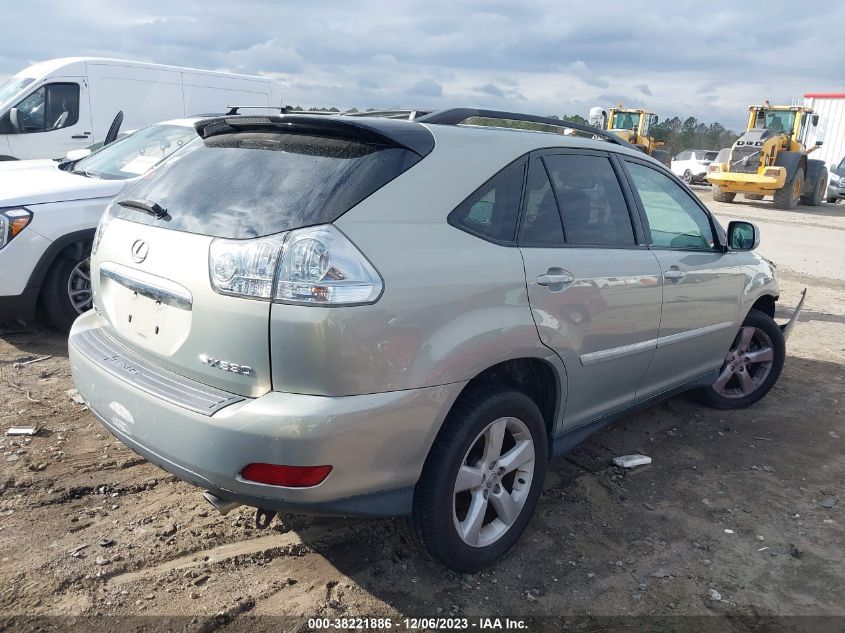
(48, 215)
(691, 165)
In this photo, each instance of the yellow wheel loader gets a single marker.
(770, 159)
(631, 125)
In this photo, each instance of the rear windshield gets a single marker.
(244, 185)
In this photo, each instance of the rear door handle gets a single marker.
(79, 136)
(555, 277)
(674, 274)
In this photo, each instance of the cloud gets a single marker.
(426, 88)
(539, 56)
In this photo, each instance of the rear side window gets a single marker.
(491, 212)
(252, 184)
(591, 201)
(540, 217)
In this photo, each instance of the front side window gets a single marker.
(675, 220)
(779, 121)
(492, 210)
(591, 201)
(51, 107)
(137, 153)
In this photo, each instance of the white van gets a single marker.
(64, 104)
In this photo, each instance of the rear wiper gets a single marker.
(80, 172)
(147, 206)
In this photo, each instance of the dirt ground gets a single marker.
(740, 514)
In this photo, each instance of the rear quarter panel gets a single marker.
(453, 304)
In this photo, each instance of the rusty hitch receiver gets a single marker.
(263, 518)
(787, 327)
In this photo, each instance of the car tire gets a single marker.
(832, 199)
(752, 365)
(723, 196)
(687, 177)
(66, 292)
(788, 196)
(816, 197)
(753, 196)
(501, 501)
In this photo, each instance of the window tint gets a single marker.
(676, 221)
(491, 211)
(591, 201)
(251, 184)
(540, 217)
(51, 107)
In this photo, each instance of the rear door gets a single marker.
(594, 288)
(701, 282)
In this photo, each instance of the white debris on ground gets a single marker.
(631, 461)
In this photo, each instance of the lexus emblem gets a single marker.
(140, 249)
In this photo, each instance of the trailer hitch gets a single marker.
(263, 518)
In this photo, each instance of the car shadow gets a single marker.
(599, 528)
(34, 340)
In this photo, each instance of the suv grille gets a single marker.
(745, 160)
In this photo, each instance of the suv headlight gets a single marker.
(317, 265)
(12, 222)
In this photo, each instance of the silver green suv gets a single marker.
(378, 317)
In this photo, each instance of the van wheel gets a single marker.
(815, 198)
(687, 177)
(67, 291)
(788, 196)
(722, 196)
(481, 479)
(752, 365)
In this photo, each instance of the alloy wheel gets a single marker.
(79, 286)
(747, 364)
(493, 482)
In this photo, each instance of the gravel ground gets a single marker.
(740, 514)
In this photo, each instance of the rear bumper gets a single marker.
(376, 444)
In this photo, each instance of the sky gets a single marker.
(708, 59)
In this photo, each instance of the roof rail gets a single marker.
(454, 116)
(409, 115)
(232, 110)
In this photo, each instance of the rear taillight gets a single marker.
(313, 266)
(289, 476)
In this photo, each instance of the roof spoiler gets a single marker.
(375, 130)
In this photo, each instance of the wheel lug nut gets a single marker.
(497, 489)
(485, 493)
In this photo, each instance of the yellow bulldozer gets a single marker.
(770, 159)
(632, 125)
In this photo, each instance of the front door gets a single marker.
(52, 120)
(702, 284)
(594, 291)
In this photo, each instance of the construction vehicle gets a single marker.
(770, 159)
(631, 125)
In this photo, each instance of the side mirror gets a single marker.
(819, 143)
(743, 236)
(815, 120)
(13, 119)
(654, 119)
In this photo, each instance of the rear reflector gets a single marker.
(290, 476)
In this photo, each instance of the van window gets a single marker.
(11, 87)
(251, 184)
(51, 107)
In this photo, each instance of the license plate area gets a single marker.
(146, 316)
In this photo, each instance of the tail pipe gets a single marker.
(221, 505)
